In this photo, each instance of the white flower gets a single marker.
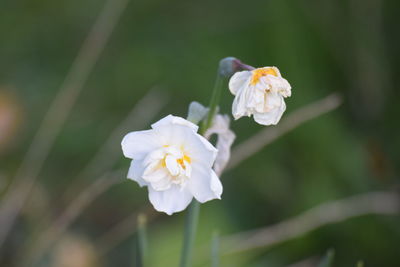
(260, 93)
(174, 162)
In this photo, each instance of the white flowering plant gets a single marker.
(176, 161)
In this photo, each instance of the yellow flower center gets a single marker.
(181, 161)
(258, 73)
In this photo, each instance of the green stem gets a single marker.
(190, 233)
(216, 95)
(215, 250)
(194, 209)
(141, 242)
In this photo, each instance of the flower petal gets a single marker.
(239, 106)
(271, 117)
(136, 145)
(200, 150)
(204, 184)
(136, 171)
(174, 120)
(170, 201)
(216, 185)
(225, 138)
(238, 81)
(172, 165)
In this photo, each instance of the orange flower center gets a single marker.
(258, 73)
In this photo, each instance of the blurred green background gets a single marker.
(320, 47)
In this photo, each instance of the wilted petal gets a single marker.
(225, 138)
(238, 81)
(273, 116)
(239, 106)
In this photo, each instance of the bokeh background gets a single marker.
(173, 48)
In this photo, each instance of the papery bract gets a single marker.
(174, 162)
(259, 92)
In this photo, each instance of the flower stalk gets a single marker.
(192, 219)
(216, 96)
(141, 241)
(215, 250)
(194, 208)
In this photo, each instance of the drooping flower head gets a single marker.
(174, 162)
(259, 92)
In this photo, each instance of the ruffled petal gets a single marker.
(271, 117)
(170, 201)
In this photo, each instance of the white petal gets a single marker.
(271, 117)
(272, 101)
(136, 171)
(171, 200)
(204, 184)
(239, 106)
(151, 159)
(239, 80)
(225, 140)
(162, 184)
(216, 185)
(200, 150)
(155, 174)
(172, 165)
(280, 85)
(136, 145)
(174, 120)
(224, 143)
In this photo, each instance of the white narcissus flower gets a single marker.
(259, 92)
(174, 162)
